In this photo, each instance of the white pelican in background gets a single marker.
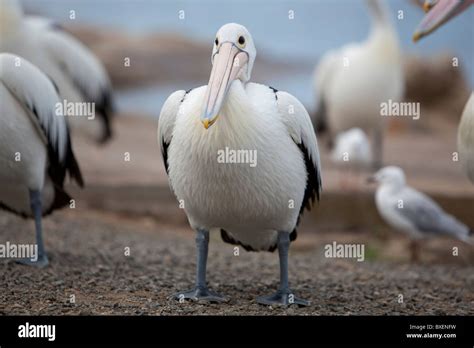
(35, 147)
(412, 212)
(79, 75)
(353, 81)
(439, 12)
(257, 206)
(466, 138)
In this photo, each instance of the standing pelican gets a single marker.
(438, 13)
(353, 81)
(466, 138)
(412, 212)
(35, 147)
(256, 206)
(79, 75)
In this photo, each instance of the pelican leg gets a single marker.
(284, 296)
(201, 292)
(37, 210)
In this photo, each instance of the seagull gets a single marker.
(438, 13)
(35, 146)
(353, 81)
(351, 152)
(352, 147)
(255, 206)
(412, 212)
(79, 75)
(466, 138)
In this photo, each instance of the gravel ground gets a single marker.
(87, 260)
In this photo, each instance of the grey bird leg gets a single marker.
(201, 291)
(378, 148)
(283, 296)
(37, 210)
(414, 251)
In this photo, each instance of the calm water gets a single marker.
(318, 25)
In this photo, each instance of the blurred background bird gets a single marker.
(36, 152)
(78, 74)
(351, 152)
(353, 81)
(412, 212)
(438, 13)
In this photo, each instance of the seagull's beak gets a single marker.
(228, 61)
(439, 12)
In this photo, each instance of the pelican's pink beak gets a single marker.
(227, 64)
(439, 12)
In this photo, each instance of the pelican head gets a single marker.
(438, 13)
(233, 55)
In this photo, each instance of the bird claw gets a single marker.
(199, 294)
(42, 262)
(282, 298)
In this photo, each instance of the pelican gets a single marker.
(79, 75)
(35, 146)
(255, 206)
(466, 138)
(413, 212)
(353, 81)
(438, 13)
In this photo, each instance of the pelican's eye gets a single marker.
(216, 41)
(241, 41)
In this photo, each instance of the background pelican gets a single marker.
(78, 74)
(412, 212)
(353, 81)
(35, 147)
(256, 207)
(466, 138)
(440, 12)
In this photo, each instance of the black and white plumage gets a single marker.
(413, 212)
(257, 207)
(35, 145)
(78, 74)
